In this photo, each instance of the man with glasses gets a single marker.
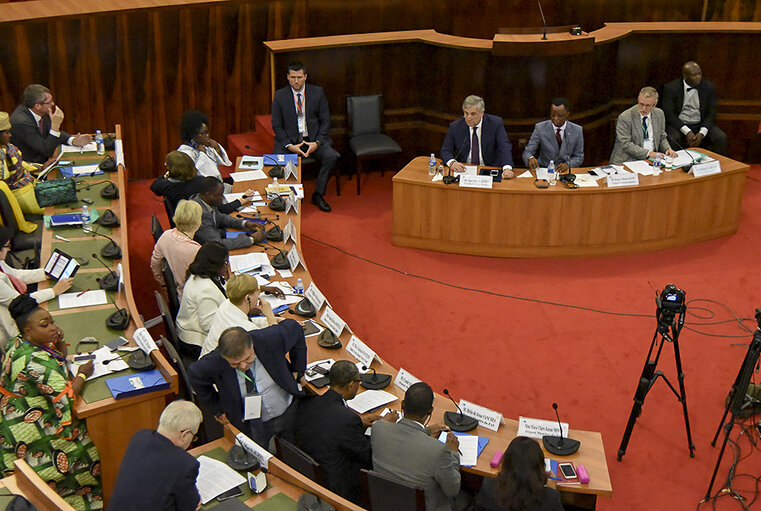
(252, 379)
(36, 126)
(156, 472)
(641, 131)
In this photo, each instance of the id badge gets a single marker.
(252, 407)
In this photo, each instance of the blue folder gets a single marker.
(281, 159)
(128, 385)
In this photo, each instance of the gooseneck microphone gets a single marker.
(111, 281)
(449, 178)
(544, 21)
(458, 421)
(278, 261)
(374, 381)
(111, 250)
(559, 445)
(277, 171)
(119, 320)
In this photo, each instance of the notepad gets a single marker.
(370, 400)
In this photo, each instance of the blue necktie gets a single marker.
(644, 127)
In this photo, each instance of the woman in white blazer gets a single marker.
(203, 293)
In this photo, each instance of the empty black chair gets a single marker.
(186, 391)
(171, 291)
(298, 460)
(366, 130)
(387, 494)
(156, 228)
(169, 208)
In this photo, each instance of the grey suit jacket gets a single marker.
(543, 140)
(629, 136)
(213, 225)
(405, 451)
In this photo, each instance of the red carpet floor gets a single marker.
(519, 353)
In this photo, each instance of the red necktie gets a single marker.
(42, 129)
(558, 137)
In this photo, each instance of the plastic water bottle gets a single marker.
(551, 177)
(99, 143)
(432, 165)
(299, 287)
(86, 219)
(657, 163)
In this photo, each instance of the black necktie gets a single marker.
(250, 382)
(474, 151)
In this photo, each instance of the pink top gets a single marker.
(179, 251)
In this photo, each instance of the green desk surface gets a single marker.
(279, 502)
(75, 231)
(83, 282)
(85, 249)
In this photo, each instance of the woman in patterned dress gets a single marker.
(36, 417)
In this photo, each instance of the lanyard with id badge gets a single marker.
(252, 401)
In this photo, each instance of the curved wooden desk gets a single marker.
(516, 219)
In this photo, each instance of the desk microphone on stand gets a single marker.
(686, 168)
(110, 250)
(111, 281)
(119, 320)
(557, 444)
(278, 261)
(458, 421)
(449, 178)
(375, 381)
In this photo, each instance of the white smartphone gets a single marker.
(567, 470)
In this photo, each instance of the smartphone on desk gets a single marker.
(567, 470)
(232, 492)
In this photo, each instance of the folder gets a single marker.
(129, 385)
(281, 159)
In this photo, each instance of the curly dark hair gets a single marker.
(21, 308)
(191, 123)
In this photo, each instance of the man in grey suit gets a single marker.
(641, 131)
(409, 451)
(213, 222)
(556, 139)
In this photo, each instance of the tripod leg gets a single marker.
(728, 430)
(723, 418)
(645, 383)
(683, 395)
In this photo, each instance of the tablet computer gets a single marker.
(61, 265)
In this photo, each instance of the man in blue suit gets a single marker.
(477, 138)
(556, 139)
(301, 122)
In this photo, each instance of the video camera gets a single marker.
(672, 298)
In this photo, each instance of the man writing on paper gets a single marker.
(477, 138)
(36, 126)
(249, 379)
(556, 139)
(334, 435)
(156, 472)
(641, 131)
(409, 451)
(689, 104)
(214, 222)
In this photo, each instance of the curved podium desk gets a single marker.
(516, 219)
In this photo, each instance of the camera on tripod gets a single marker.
(672, 298)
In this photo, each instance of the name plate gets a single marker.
(144, 340)
(315, 296)
(404, 379)
(468, 181)
(261, 454)
(291, 202)
(537, 428)
(706, 169)
(290, 170)
(289, 232)
(626, 179)
(333, 321)
(485, 417)
(360, 351)
(294, 259)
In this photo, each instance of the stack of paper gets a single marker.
(370, 400)
(215, 477)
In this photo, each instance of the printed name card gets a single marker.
(290, 170)
(294, 259)
(315, 296)
(404, 379)
(485, 417)
(537, 428)
(468, 181)
(706, 169)
(361, 351)
(144, 340)
(333, 321)
(289, 232)
(291, 202)
(261, 454)
(623, 179)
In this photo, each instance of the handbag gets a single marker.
(55, 191)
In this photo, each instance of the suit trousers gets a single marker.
(715, 140)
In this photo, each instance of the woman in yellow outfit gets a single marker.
(16, 172)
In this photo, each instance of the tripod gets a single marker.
(670, 318)
(737, 396)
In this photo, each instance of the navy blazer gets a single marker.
(271, 346)
(285, 123)
(155, 474)
(673, 101)
(495, 144)
(26, 136)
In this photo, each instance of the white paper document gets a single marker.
(468, 448)
(71, 300)
(526, 174)
(215, 477)
(232, 197)
(370, 400)
(99, 367)
(83, 170)
(641, 167)
(248, 175)
(585, 180)
(74, 149)
(244, 263)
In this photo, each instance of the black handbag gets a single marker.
(55, 191)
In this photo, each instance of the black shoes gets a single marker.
(319, 201)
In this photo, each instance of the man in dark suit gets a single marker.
(249, 379)
(214, 222)
(477, 138)
(301, 122)
(36, 126)
(556, 139)
(156, 472)
(334, 435)
(409, 451)
(689, 104)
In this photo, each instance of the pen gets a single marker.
(83, 292)
(62, 238)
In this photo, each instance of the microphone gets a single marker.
(686, 168)
(458, 421)
(274, 233)
(111, 281)
(375, 381)
(111, 250)
(449, 179)
(544, 21)
(557, 444)
(279, 261)
(240, 459)
(119, 320)
(277, 171)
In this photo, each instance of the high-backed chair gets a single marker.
(298, 460)
(156, 228)
(387, 494)
(366, 130)
(171, 291)
(169, 208)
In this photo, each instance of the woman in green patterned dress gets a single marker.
(36, 417)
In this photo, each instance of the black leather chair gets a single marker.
(298, 460)
(171, 327)
(156, 228)
(386, 494)
(171, 291)
(169, 208)
(367, 140)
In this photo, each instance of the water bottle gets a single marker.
(657, 163)
(275, 186)
(299, 287)
(86, 221)
(432, 165)
(551, 177)
(99, 143)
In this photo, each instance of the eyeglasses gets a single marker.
(195, 436)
